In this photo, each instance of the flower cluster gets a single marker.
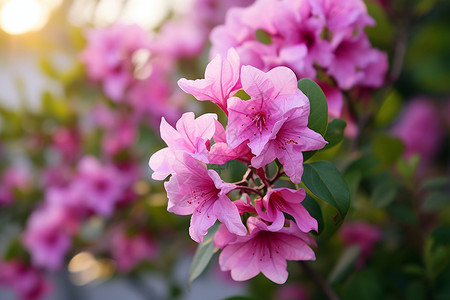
(319, 39)
(270, 125)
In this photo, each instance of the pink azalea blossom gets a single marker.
(191, 136)
(13, 178)
(262, 250)
(129, 250)
(420, 129)
(26, 281)
(284, 200)
(221, 80)
(195, 190)
(68, 142)
(361, 234)
(274, 120)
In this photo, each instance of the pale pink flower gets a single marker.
(195, 190)
(26, 281)
(262, 250)
(13, 178)
(190, 135)
(361, 234)
(128, 250)
(221, 80)
(420, 129)
(284, 200)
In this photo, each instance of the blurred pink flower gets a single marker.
(13, 178)
(420, 129)
(292, 292)
(109, 56)
(361, 234)
(47, 236)
(262, 250)
(68, 142)
(101, 185)
(26, 281)
(128, 250)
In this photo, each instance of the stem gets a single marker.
(327, 290)
(249, 189)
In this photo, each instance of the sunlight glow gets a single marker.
(21, 16)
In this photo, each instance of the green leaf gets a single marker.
(318, 116)
(203, 255)
(335, 133)
(436, 201)
(389, 109)
(364, 285)
(326, 182)
(314, 210)
(263, 37)
(385, 189)
(345, 264)
(242, 95)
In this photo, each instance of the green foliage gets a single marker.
(325, 184)
(203, 255)
(335, 133)
(318, 116)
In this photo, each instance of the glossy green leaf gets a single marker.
(335, 133)
(314, 210)
(203, 255)
(318, 116)
(326, 182)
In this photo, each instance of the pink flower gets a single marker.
(108, 56)
(191, 136)
(128, 250)
(283, 200)
(101, 187)
(262, 250)
(47, 236)
(420, 129)
(68, 142)
(13, 178)
(272, 94)
(195, 190)
(26, 281)
(274, 120)
(362, 234)
(221, 80)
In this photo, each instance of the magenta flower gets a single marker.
(195, 190)
(420, 129)
(361, 234)
(47, 237)
(101, 186)
(26, 281)
(191, 136)
(221, 80)
(128, 250)
(262, 250)
(284, 200)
